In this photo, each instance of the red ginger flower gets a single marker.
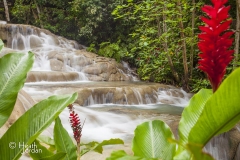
(75, 124)
(215, 42)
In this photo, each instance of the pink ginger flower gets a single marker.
(75, 124)
(215, 42)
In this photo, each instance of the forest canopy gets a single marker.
(158, 38)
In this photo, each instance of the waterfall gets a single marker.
(112, 108)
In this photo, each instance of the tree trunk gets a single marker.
(192, 46)
(184, 54)
(236, 49)
(39, 13)
(165, 44)
(6, 10)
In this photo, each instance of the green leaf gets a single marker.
(57, 156)
(97, 147)
(197, 153)
(122, 155)
(192, 113)
(63, 141)
(46, 139)
(41, 151)
(191, 152)
(221, 112)
(1, 45)
(28, 127)
(182, 153)
(13, 70)
(151, 140)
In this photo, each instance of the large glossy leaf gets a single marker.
(182, 153)
(13, 71)
(63, 141)
(41, 151)
(221, 112)
(191, 152)
(192, 113)
(98, 147)
(122, 155)
(197, 153)
(57, 156)
(151, 140)
(27, 128)
(47, 140)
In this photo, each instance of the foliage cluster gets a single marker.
(52, 15)
(158, 37)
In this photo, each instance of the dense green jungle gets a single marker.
(158, 38)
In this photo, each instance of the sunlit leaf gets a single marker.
(151, 140)
(63, 141)
(221, 112)
(28, 127)
(13, 71)
(122, 155)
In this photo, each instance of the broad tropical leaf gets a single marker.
(221, 112)
(41, 151)
(191, 152)
(97, 147)
(192, 113)
(197, 153)
(122, 155)
(182, 153)
(57, 156)
(63, 141)
(13, 71)
(151, 140)
(28, 127)
(47, 140)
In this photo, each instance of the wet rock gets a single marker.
(226, 145)
(56, 65)
(84, 94)
(35, 42)
(92, 70)
(9, 31)
(36, 76)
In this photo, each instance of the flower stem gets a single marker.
(78, 151)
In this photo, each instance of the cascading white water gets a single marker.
(137, 95)
(114, 92)
(43, 46)
(130, 71)
(106, 116)
(107, 120)
(175, 96)
(107, 124)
